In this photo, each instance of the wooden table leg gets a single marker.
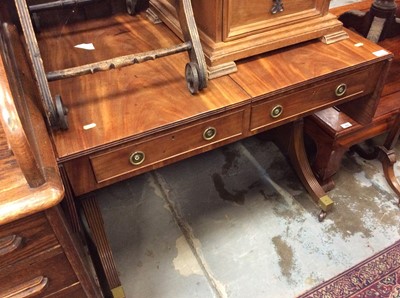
(388, 159)
(378, 23)
(290, 139)
(97, 233)
(385, 154)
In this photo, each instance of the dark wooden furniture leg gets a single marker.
(378, 23)
(68, 203)
(327, 156)
(72, 251)
(94, 220)
(386, 155)
(290, 139)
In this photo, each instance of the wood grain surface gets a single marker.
(136, 101)
(299, 65)
(128, 102)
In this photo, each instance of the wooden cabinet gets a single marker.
(243, 18)
(235, 29)
(39, 259)
(25, 238)
(33, 263)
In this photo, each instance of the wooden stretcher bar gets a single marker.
(58, 4)
(115, 63)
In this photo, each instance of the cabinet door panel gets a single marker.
(248, 17)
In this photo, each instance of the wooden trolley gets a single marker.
(56, 112)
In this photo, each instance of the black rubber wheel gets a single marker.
(192, 77)
(62, 112)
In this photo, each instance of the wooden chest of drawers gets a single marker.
(34, 263)
(235, 29)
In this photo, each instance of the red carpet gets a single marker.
(378, 277)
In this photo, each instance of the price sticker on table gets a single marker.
(346, 125)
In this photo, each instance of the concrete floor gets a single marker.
(236, 222)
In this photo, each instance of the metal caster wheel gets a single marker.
(131, 6)
(61, 112)
(321, 216)
(192, 77)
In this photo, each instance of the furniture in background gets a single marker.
(334, 132)
(232, 29)
(377, 24)
(39, 257)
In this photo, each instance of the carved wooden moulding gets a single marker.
(234, 29)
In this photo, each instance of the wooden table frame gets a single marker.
(114, 115)
(243, 102)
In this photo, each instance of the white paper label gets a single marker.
(346, 125)
(89, 126)
(380, 53)
(85, 46)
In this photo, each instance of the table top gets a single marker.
(108, 108)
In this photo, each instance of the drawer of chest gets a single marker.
(299, 103)
(40, 277)
(24, 238)
(173, 145)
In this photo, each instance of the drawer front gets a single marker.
(257, 15)
(40, 277)
(147, 154)
(25, 238)
(273, 112)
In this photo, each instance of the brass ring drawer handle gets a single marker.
(137, 158)
(209, 133)
(341, 90)
(276, 111)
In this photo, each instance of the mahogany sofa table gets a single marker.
(126, 122)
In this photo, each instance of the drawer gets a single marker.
(270, 113)
(256, 16)
(25, 238)
(170, 146)
(42, 276)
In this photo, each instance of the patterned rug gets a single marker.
(378, 277)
